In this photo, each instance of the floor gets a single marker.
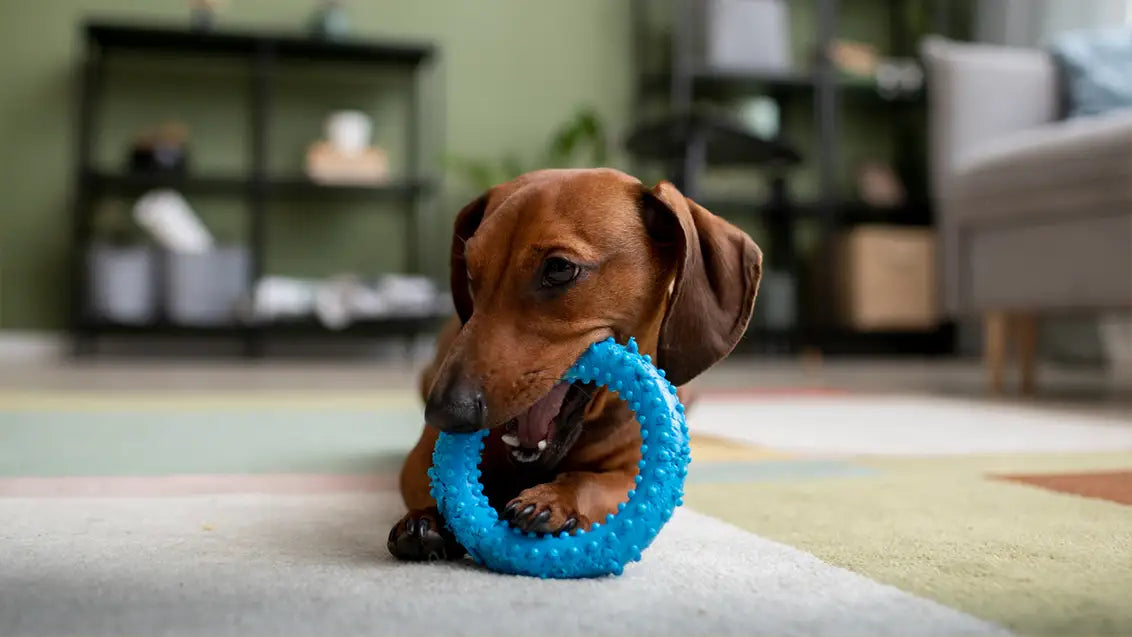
(1079, 389)
(840, 497)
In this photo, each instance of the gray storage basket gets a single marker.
(744, 35)
(122, 286)
(205, 289)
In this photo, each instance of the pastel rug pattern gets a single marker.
(239, 513)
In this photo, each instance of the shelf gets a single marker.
(162, 328)
(707, 81)
(847, 213)
(864, 89)
(735, 205)
(176, 39)
(909, 214)
(712, 83)
(727, 143)
(262, 52)
(283, 186)
(392, 326)
(832, 102)
(129, 184)
(845, 341)
(303, 187)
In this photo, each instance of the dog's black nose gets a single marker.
(457, 407)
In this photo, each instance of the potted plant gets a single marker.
(581, 135)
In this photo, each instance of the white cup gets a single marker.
(349, 131)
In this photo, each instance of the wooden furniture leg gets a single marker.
(1025, 328)
(994, 349)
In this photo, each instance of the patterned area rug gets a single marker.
(265, 513)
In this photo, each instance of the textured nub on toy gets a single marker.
(607, 546)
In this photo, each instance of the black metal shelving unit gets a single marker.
(260, 53)
(686, 86)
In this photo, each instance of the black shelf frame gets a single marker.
(150, 38)
(785, 85)
(261, 53)
(685, 86)
(124, 183)
(297, 327)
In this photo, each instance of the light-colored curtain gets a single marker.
(1035, 22)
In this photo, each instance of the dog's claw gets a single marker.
(541, 523)
(420, 536)
(542, 510)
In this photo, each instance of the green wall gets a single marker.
(511, 71)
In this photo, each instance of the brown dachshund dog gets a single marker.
(542, 267)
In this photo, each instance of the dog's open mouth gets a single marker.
(548, 427)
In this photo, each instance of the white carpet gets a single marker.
(272, 565)
(905, 426)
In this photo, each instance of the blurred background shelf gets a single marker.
(141, 37)
(295, 186)
(722, 141)
(128, 184)
(714, 83)
(258, 189)
(392, 190)
(393, 326)
(848, 342)
(788, 135)
(849, 213)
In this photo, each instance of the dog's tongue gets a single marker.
(534, 424)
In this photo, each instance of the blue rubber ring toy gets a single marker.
(606, 548)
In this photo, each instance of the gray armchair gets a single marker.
(1035, 212)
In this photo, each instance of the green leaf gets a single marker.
(580, 137)
(584, 130)
(480, 174)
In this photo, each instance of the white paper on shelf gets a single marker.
(407, 295)
(277, 297)
(171, 222)
(337, 298)
(339, 301)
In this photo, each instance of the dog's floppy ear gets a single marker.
(467, 220)
(718, 268)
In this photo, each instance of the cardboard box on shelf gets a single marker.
(884, 278)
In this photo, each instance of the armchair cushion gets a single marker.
(979, 92)
(1066, 168)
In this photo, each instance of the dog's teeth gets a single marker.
(523, 455)
(541, 445)
(511, 440)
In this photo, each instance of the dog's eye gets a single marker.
(557, 272)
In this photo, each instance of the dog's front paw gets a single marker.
(546, 509)
(421, 536)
